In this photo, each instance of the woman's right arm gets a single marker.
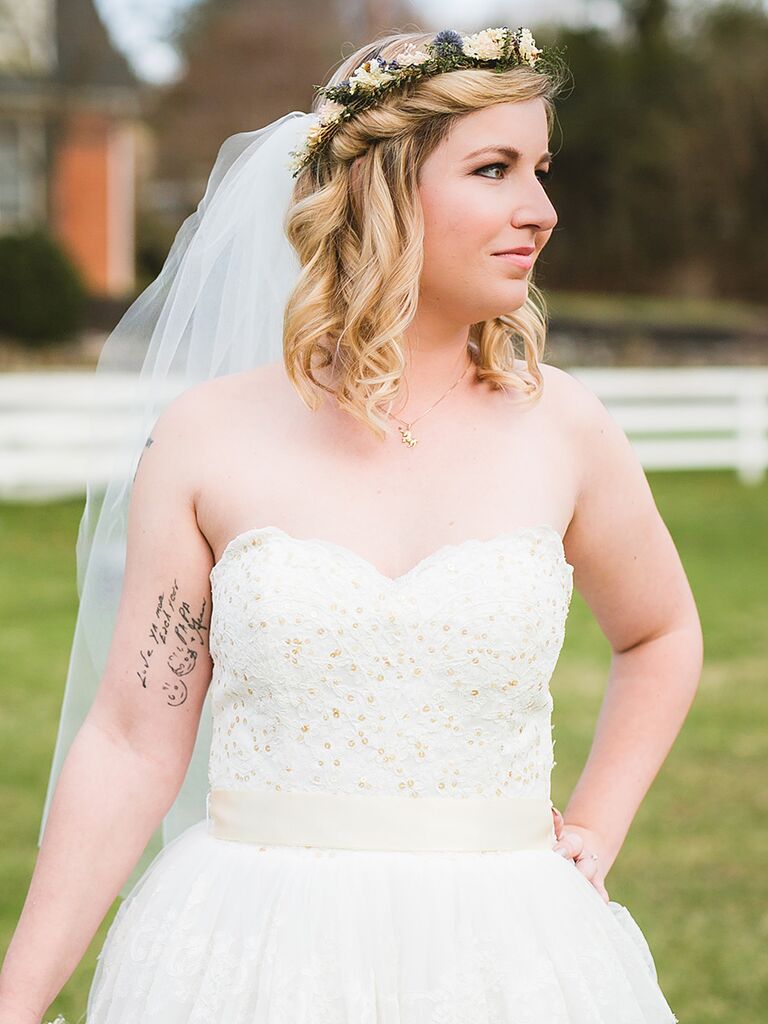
(129, 758)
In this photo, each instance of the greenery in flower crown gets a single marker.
(496, 49)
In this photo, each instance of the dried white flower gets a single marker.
(527, 47)
(330, 111)
(314, 132)
(298, 155)
(369, 76)
(485, 45)
(410, 55)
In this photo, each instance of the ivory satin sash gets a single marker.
(377, 822)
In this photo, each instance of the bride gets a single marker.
(354, 550)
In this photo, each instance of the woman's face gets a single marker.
(477, 205)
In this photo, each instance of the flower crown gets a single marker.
(495, 48)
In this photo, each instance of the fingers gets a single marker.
(591, 870)
(559, 821)
(588, 866)
(571, 844)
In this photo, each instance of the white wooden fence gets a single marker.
(676, 418)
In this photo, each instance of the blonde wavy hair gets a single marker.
(358, 231)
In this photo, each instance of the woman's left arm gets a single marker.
(627, 569)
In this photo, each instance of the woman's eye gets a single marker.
(489, 166)
(542, 175)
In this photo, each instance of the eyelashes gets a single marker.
(543, 176)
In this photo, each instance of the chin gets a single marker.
(507, 304)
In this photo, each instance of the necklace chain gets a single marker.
(405, 433)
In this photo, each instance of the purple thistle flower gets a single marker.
(447, 43)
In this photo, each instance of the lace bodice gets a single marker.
(329, 675)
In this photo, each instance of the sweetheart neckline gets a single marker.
(444, 549)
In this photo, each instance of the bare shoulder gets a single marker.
(196, 406)
(212, 417)
(582, 420)
(627, 567)
(260, 381)
(595, 437)
(569, 408)
(569, 395)
(183, 431)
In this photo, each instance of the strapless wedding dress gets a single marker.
(408, 722)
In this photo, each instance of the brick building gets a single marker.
(71, 136)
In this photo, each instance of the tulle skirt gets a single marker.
(224, 932)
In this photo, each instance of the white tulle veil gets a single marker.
(216, 308)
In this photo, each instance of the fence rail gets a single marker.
(56, 429)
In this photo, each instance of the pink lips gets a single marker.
(523, 250)
(520, 256)
(519, 259)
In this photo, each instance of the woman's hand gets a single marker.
(580, 844)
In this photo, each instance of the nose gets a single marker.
(535, 210)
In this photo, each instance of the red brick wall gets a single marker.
(92, 196)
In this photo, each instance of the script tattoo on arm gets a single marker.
(176, 637)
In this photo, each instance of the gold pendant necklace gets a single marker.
(406, 436)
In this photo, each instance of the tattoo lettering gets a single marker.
(178, 634)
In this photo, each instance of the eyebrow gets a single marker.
(508, 151)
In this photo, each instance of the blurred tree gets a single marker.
(648, 20)
(660, 181)
(247, 63)
(722, 182)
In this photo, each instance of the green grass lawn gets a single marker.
(690, 871)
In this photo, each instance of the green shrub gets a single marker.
(42, 293)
